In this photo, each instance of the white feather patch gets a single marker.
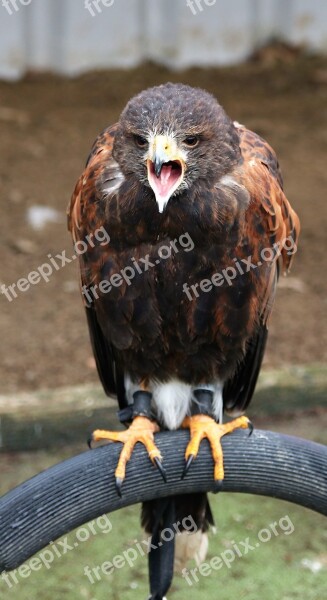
(190, 546)
(172, 400)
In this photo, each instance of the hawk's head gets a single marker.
(173, 135)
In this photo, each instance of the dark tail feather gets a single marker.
(189, 513)
(162, 553)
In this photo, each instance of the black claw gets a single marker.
(251, 428)
(218, 486)
(187, 465)
(160, 468)
(89, 442)
(119, 483)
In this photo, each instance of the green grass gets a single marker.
(272, 570)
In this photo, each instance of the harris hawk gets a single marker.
(178, 301)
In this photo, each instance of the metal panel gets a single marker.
(71, 36)
(12, 45)
(309, 24)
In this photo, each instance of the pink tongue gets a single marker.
(165, 174)
(163, 182)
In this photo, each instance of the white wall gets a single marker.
(62, 35)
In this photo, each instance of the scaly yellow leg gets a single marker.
(141, 430)
(203, 426)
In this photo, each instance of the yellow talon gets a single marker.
(141, 430)
(203, 426)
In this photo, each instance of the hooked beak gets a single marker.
(166, 166)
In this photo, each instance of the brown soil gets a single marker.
(48, 125)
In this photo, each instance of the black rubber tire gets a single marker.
(83, 488)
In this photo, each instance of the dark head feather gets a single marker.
(181, 111)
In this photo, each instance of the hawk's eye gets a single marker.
(140, 141)
(191, 141)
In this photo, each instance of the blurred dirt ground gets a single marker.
(47, 127)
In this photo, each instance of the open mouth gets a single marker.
(165, 179)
